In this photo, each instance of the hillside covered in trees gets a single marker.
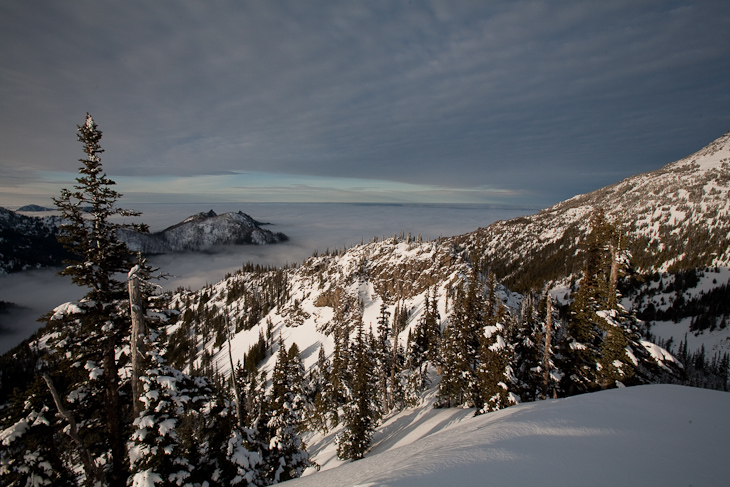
(225, 385)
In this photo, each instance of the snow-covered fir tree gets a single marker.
(584, 336)
(318, 411)
(494, 371)
(90, 233)
(383, 352)
(287, 456)
(361, 410)
(33, 451)
(334, 395)
(459, 384)
(527, 336)
(159, 452)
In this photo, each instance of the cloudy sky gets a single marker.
(506, 103)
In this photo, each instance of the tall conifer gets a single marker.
(89, 233)
(361, 411)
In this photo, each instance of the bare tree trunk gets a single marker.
(613, 280)
(393, 364)
(136, 342)
(93, 473)
(548, 339)
(236, 390)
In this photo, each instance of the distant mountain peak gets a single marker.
(34, 208)
(203, 215)
(203, 231)
(28, 242)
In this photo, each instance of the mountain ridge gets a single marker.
(677, 217)
(399, 273)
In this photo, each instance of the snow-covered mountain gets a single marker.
(202, 231)
(305, 303)
(677, 217)
(28, 242)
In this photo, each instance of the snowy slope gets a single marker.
(677, 217)
(661, 294)
(645, 435)
(330, 291)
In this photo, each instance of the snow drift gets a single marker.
(644, 435)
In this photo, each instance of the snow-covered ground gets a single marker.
(655, 435)
(715, 341)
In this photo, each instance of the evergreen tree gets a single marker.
(361, 410)
(318, 377)
(158, 453)
(425, 344)
(384, 358)
(584, 336)
(89, 233)
(528, 339)
(33, 451)
(432, 325)
(297, 384)
(186, 434)
(335, 392)
(450, 387)
(494, 372)
(243, 461)
(460, 349)
(602, 346)
(260, 433)
(384, 324)
(287, 457)
(614, 364)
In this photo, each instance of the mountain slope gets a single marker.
(28, 242)
(306, 304)
(645, 435)
(677, 217)
(327, 293)
(203, 231)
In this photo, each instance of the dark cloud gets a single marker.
(549, 98)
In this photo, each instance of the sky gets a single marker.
(504, 103)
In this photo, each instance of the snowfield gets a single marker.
(661, 435)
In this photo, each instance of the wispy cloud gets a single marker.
(270, 187)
